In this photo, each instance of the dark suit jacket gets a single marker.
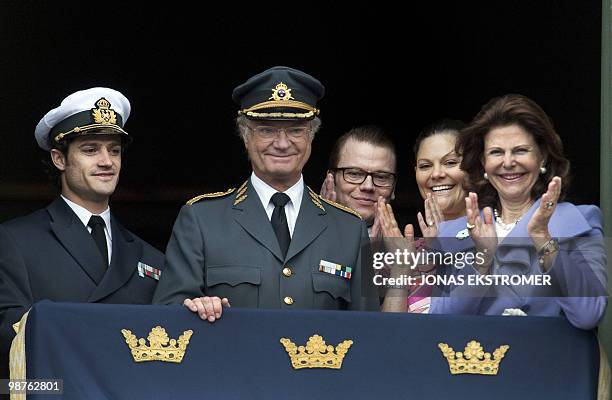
(226, 247)
(49, 255)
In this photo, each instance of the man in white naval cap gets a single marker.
(75, 250)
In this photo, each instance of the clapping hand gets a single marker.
(392, 235)
(538, 224)
(433, 217)
(388, 223)
(481, 230)
(328, 190)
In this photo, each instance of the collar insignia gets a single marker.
(315, 199)
(241, 193)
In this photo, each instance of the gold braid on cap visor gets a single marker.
(312, 111)
(82, 129)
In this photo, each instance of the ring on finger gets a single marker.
(470, 226)
(549, 205)
(430, 224)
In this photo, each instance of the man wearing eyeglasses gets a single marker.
(362, 169)
(272, 242)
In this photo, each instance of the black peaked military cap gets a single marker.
(280, 93)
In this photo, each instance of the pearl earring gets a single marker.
(542, 170)
(486, 176)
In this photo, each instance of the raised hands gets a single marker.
(328, 190)
(481, 230)
(376, 231)
(388, 223)
(391, 233)
(433, 217)
(538, 224)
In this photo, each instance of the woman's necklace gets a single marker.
(502, 223)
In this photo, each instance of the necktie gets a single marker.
(279, 221)
(97, 233)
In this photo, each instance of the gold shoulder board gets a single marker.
(209, 196)
(341, 207)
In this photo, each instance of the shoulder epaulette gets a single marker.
(210, 196)
(341, 207)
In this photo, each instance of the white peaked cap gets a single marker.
(97, 110)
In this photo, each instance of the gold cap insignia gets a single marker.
(104, 114)
(316, 354)
(473, 360)
(281, 93)
(161, 348)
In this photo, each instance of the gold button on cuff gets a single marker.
(288, 300)
(287, 272)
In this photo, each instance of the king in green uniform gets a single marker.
(273, 242)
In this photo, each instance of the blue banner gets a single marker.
(240, 356)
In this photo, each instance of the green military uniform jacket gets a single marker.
(223, 245)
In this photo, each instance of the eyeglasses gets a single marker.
(272, 132)
(358, 176)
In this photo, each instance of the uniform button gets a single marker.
(287, 272)
(288, 300)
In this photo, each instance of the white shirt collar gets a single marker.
(84, 214)
(266, 191)
(295, 193)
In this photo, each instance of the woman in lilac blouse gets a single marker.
(552, 250)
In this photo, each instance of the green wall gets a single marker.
(605, 332)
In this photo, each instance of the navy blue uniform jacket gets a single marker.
(49, 254)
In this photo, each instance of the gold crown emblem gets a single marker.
(473, 360)
(104, 114)
(161, 348)
(316, 354)
(281, 93)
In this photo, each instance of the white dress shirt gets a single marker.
(292, 208)
(84, 215)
